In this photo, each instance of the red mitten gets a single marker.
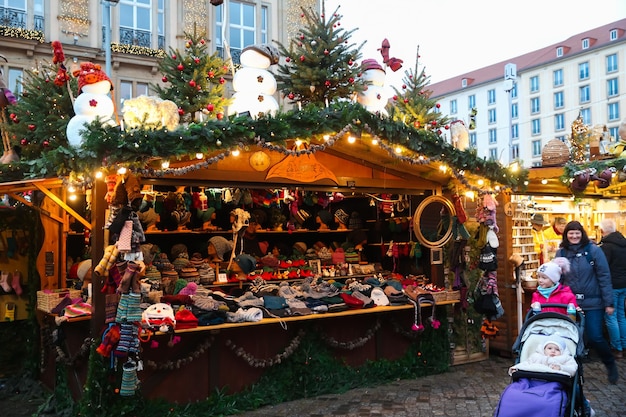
(111, 337)
(458, 207)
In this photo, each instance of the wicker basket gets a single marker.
(47, 300)
(555, 153)
(439, 296)
(453, 295)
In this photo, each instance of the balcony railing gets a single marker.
(135, 37)
(13, 18)
(235, 54)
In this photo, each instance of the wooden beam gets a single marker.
(64, 206)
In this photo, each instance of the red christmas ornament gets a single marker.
(164, 79)
(350, 62)
(180, 67)
(220, 116)
(302, 58)
(201, 41)
(173, 56)
(23, 142)
(301, 37)
(196, 60)
(192, 83)
(12, 116)
(288, 59)
(416, 123)
(326, 52)
(351, 80)
(32, 127)
(404, 86)
(447, 127)
(210, 107)
(181, 111)
(327, 83)
(291, 96)
(395, 98)
(406, 100)
(211, 74)
(222, 80)
(434, 123)
(45, 143)
(439, 131)
(438, 105)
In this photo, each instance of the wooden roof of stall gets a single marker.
(368, 167)
(555, 186)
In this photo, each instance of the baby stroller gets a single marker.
(535, 392)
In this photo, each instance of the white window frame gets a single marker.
(535, 126)
(536, 147)
(559, 122)
(611, 63)
(492, 116)
(584, 94)
(559, 52)
(613, 111)
(493, 136)
(557, 78)
(612, 87)
(491, 96)
(535, 105)
(534, 84)
(559, 99)
(583, 71)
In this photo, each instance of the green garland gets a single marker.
(109, 146)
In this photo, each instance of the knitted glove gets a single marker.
(111, 337)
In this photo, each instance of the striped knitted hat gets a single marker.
(90, 73)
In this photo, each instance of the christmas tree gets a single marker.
(37, 122)
(194, 80)
(413, 105)
(320, 63)
(578, 140)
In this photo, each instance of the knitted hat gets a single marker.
(185, 319)
(557, 341)
(152, 274)
(190, 274)
(196, 260)
(90, 73)
(205, 215)
(269, 51)
(342, 216)
(300, 247)
(247, 263)
(379, 297)
(83, 268)
(221, 245)
(554, 269)
(371, 64)
(179, 251)
(301, 216)
(325, 216)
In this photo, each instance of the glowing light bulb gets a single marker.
(199, 155)
(398, 150)
(374, 142)
(544, 181)
(236, 152)
(122, 171)
(165, 164)
(351, 139)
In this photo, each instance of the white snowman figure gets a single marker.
(375, 96)
(254, 85)
(92, 102)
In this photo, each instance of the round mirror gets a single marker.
(432, 221)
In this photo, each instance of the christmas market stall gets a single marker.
(259, 251)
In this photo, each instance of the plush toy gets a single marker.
(158, 315)
(92, 102)
(150, 112)
(254, 85)
(619, 147)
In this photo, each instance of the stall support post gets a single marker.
(97, 251)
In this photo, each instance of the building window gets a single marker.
(514, 131)
(611, 63)
(493, 154)
(514, 111)
(472, 139)
(535, 126)
(613, 34)
(557, 78)
(534, 105)
(471, 102)
(492, 116)
(614, 132)
(559, 121)
(15, 82)
(536, 147)
(559, 52)
(559, 102)
(453, 108)
(584, 94)
(241, 27)
(612, 87)
(464, 83)
(491, 96)
(583, 71)
(515, 152)
(585, 44)
(493, 136)
(130, 89)
(534, 84)
(136, 22)
(586, 115)
(613, 111)
(514, 91)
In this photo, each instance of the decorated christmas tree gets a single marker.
(36, 124)
(194, 80)
(321, 64)
(413, 105)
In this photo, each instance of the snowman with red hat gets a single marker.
(93, 101)
(375, 96)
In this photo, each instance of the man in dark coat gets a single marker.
(614, 247)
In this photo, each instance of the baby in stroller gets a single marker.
(549, 339)
(552, 355)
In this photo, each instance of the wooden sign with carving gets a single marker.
(303, 168)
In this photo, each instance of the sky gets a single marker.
(458, 36)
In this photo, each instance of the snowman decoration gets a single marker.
(375, 96)
(254, 85)
(92, 102)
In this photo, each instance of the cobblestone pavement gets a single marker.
(470, 390)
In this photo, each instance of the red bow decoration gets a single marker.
(393, 63)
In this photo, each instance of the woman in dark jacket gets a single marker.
(590, 280)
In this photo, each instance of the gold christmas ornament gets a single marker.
(259, 161)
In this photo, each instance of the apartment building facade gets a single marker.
(138, 32)
(524, 102)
